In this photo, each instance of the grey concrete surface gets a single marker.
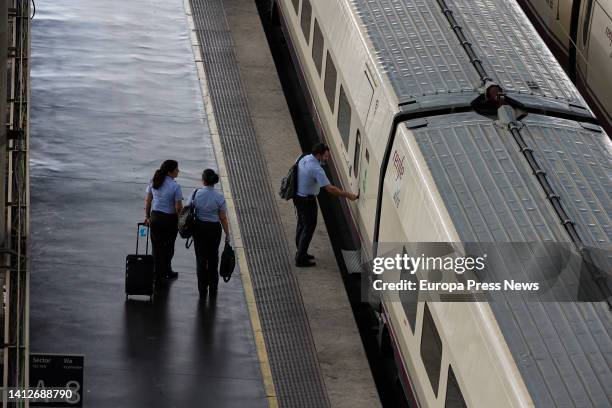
(115, 92)
(340, 352)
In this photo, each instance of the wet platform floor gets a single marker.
(115, 92)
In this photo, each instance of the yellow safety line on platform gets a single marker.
(247, 283)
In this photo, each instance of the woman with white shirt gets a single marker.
(163, 202)
(211, 217)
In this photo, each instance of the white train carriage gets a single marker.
(580, 34)
(405, 92)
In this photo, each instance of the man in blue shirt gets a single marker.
(310, 179)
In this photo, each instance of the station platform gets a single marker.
(312, 343)
(114, 93)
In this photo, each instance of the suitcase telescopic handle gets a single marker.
(138, 236)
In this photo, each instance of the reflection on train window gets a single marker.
(344, 118)
(409, 298)
(587, 22)
(431, 349)
(306, 17)
(330, 82)
(357, 151)
(317, 47)
(454, 398)
(296, 5)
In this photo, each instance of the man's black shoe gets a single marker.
(304, 264)
(309, 257)
(172, 275)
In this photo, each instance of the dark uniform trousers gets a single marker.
(164, 228)
(307, 210)
(206, 240)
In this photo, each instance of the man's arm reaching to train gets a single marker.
(340, 193)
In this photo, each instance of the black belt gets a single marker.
(308, 197)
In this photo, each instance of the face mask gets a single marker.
(323, 162)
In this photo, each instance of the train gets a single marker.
(455, 124)
(579, 32)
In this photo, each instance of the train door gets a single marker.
(356, 163)
(582, 41)
(560, 21)
(365, 102)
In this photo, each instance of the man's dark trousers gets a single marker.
(307, 210)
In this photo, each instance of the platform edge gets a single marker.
(249, 293)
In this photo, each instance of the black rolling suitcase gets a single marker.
(139, 276)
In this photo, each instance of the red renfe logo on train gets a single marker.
(398, 164)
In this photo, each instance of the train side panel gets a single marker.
(596, 48)
(579, 32)
(554, 19)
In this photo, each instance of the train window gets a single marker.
(330, 82)
(409, 298)
(431, 350)
(454, 398)
(344, 118)
(587, 22)
(357, 152)
(317, 47)
(306, 18)
(296, 5)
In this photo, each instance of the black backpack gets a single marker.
(288, 188)
(186, 220)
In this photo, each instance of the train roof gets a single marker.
(486, 161)
(562, 349)
(420, 54)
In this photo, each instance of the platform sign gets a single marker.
(58, 371)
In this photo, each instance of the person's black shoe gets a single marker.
(310, 257)
(172, 275)
(304, 263)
